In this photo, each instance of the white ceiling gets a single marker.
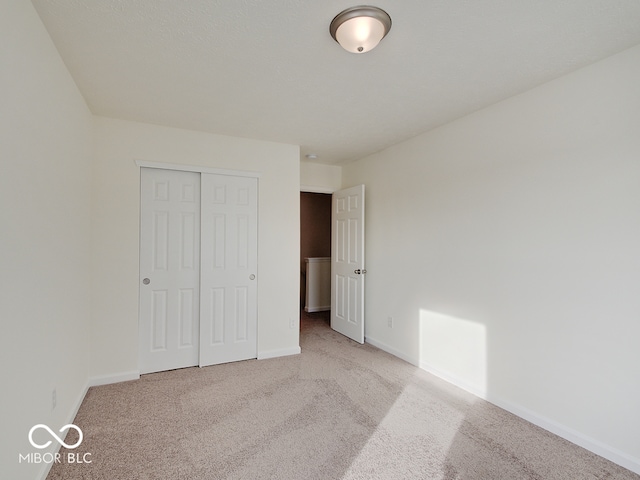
(269, 70)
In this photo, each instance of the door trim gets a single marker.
(197, 168)
(312, 189)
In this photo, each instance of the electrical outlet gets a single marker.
(390, 322)
(54, 399)
(292, 322)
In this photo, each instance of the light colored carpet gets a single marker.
(339, 410)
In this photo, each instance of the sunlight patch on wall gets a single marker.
(454, 349)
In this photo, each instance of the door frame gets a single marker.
(330, 191)
(197, 168)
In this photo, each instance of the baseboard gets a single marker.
(283, 352)
(55, 446)
(396, 353)
(114, 378)
(91, 382)
(317, 309)
(455, 380)
(616, 456)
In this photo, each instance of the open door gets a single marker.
(347, 262)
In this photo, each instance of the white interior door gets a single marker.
(169, 269)
(347, 262)
(229, 241)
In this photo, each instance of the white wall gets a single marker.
(116, 198)
(319, 178)
(505, 246)
(45, 159)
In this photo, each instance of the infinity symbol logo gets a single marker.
(60, 441)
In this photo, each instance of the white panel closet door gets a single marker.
(169, 269)
(229, 251)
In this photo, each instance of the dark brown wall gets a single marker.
(315, 230)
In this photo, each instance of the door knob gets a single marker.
(146, 281)
(357, 271)
(252, 277)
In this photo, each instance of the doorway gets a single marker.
(315, 241)
(342, 223)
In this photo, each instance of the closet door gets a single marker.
(228, 289)
(169, 269)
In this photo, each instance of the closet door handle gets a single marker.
(146, 281)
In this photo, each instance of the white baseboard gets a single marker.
(55, 446)
(391, 350)
(283, 352)
(317, 309)
(616, 456)
(613, 454)
(114, 378)
(91, 382)
(455, 380)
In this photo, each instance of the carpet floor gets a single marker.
(339, 410)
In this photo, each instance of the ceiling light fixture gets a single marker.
(360, 29)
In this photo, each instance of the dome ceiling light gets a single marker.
(360, 29)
